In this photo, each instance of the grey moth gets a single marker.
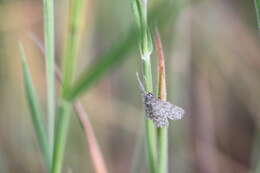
(158, 110)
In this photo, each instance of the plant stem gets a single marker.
(69, 58)
(257, 8)
(48, 10)
(145, 45)
(162, 136)
(62, 125)
(162, 133)
(149, 126)
(94, 148)
(96, 153)
(257, 138)
(75, 26)
(151, 145)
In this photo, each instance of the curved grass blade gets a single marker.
(35, 109)
(98, 160)
(160, 15)
(94, 148)
(110, 59)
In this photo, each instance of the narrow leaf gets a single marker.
(145, 46)
(75, 26)
(257, 8)
(61, 131)
(34, 106)
(93, 145)
(160, 15)
(94, 148)
(48, 11)
(70, 52)
(107, 61)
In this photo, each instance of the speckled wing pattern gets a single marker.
(160, 111)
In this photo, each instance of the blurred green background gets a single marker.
(212, 70)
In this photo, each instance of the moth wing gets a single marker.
(157, 114)
(173, 112)
(160, 122)
(169, 110)
(157, 108)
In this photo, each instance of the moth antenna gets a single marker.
(140, 83)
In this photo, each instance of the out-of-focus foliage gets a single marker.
(212, 68)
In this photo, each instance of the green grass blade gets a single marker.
(70, 53)
(255, 152)
(48, 11)
(159, 15)
(257, 8)
(97, 157)
(162, 136)
(107, 61)
(62, 125)
(76, 14)
(146, 48)
(149, 126)
(34, 106)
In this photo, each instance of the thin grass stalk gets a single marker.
(61, 125)
(257, 138)
(257, 8)
(162, 133)
(255, 165)
(117, 53)
(149, 126)
(96, 153)
(48, 11)
(70, 53)
(75, 25)
(90, 76)
(35, 108)
(140, 11)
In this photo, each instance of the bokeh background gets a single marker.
(213, 66)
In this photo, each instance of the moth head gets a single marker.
(148, 97)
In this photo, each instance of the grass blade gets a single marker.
(107, 61)
(146, 48)
(70, 53)
(75, 25)
(255, 158)
(149, 126)
(159, 15)
(162, 133)
(34, 106)
(48, 11)
(61, 128)
(96, 153)
(257, 8)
